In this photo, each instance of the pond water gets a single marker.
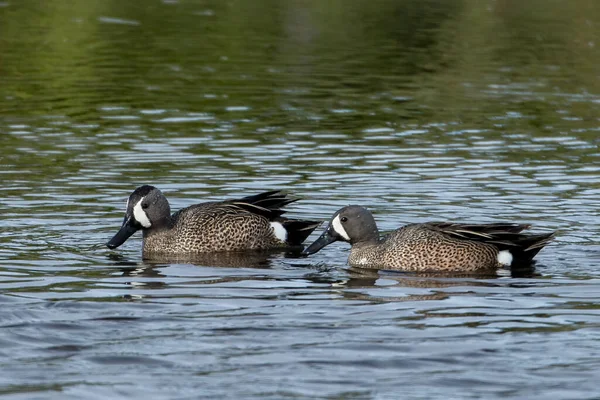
(462, 110)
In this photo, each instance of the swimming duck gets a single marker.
(248, 223)
(432, 246)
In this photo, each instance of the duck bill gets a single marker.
(127, 229)
(327, 237)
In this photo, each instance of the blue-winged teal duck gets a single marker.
(433, 246)
(249, 223)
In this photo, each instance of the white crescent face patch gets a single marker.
(140, 215)
(337, 226)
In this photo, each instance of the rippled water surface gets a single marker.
(462, 110)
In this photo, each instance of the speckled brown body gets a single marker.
(422, 247)
(212, 227)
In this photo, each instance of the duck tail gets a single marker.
(523, 248)
(299, 230)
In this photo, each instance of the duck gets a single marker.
(431, 246)
(249, 223)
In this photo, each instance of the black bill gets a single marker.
(129, 227)
(327, 237)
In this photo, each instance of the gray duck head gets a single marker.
(147, 207)
(352, 224)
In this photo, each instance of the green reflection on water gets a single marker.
(69, 58)
(96, 78)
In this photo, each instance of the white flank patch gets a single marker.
(140, 215)
(279, 231)
(505, 258)
(337, 226)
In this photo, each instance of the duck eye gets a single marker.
(344, 219)
(145, 205)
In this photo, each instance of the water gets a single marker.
(473, 111)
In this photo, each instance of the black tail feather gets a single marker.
(524, 247)
(299, 230)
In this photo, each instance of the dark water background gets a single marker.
(461, 110)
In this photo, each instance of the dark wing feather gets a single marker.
(480, 232)
(267, 204)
